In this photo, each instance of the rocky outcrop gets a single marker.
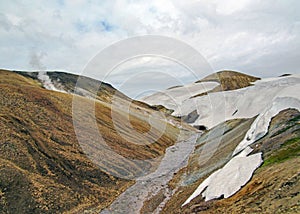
(191, 117)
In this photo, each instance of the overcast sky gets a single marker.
(255, 37)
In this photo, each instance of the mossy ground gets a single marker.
(289, 149)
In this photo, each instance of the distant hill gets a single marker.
(230, 80)
(67, 82)
(216, 82)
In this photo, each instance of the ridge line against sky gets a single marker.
(258, 37)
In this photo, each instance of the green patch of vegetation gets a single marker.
(290, 149)
(291, 141)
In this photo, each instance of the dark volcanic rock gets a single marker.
(191, 117)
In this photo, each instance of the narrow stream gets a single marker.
(176, 157)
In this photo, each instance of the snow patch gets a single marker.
(248, 102)
(266, 98)
(260, 126)
(228, 180)
(238, 171)
(174, 97)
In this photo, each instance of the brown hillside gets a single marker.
(43, 169)
(229, 80)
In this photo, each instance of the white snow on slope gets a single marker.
(266, 98)
(218, 107)
(270, 96)
(260, 126)
(238, 171)
(172, 98)
(228, 180)
(248, 102)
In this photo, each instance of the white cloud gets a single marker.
(155, 71)
(251, 36)
(229, 7)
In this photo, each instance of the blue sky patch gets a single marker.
(106, 26)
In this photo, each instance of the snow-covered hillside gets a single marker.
(236, 173)
(175, 96)
(216, 107)
(263, 98)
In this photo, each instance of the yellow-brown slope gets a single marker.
(228, 80)
(42, 166)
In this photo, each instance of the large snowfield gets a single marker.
(264, 99)
(218, 107)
